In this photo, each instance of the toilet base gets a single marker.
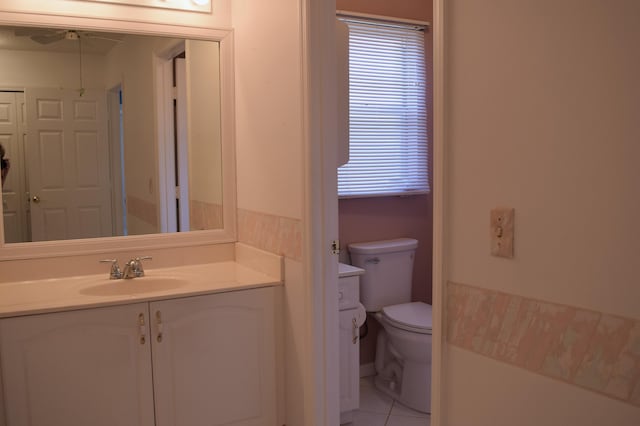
(410, 392)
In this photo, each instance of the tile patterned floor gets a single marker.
(379, 409)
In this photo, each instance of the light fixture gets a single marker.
(72, 35)
(187, 5)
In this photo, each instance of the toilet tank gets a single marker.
(388, 269)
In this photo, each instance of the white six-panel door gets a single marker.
(68, 167)
(14, 196)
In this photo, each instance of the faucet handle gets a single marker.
(137, 265)
(115, 273)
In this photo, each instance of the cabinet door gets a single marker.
(349, 362)
(86, 367)
(214, 359)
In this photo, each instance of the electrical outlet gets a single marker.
(501, 229)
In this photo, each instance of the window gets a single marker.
(387, 111)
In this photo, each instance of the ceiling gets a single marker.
(92, 41)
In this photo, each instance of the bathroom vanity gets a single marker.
(273, 213)
(187, 345)
(351, 317)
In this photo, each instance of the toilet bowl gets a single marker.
(403, 354)
(403, 348)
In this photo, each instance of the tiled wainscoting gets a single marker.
(275, 234)
(593, 350)
(205, 215)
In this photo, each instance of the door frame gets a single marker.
(116, 159)
(321, 211)
(19, 165)
(182, 141)
(320, 224)
(439, 273)
(163, 65)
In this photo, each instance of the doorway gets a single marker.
(325, 184)
(173, 160)
(116, 155)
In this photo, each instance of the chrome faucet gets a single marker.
(133, 268)
(115, 273)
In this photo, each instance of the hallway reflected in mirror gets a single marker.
(124, 134)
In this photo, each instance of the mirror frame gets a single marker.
(45, 249)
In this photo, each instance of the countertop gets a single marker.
(90, 291)
(345, 270)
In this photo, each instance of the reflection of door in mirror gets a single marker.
(60, 186)
(191, 159)
(68, 164)
(12, 138)
(116, 158)
(173, 170)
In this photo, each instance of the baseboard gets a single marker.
(367, 370)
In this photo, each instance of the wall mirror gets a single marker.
(114, 136)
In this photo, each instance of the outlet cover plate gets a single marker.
(501, 231)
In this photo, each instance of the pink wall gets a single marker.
(369, 219)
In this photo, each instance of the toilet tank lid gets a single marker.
(384, 246)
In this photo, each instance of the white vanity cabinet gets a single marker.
(204, 360)
(349, 319)
(86, 367)
(214, 359)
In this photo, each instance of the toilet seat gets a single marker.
(414, 317)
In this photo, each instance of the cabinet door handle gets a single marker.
(159, 324)
(355, 330)
(143, 329)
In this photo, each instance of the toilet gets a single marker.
(403, 348)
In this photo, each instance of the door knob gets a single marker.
(35, 199)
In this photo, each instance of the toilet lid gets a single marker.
(414, 316)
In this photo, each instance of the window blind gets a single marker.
(387, 111)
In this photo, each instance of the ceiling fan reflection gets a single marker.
(48, 36)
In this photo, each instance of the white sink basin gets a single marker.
(134, 286)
